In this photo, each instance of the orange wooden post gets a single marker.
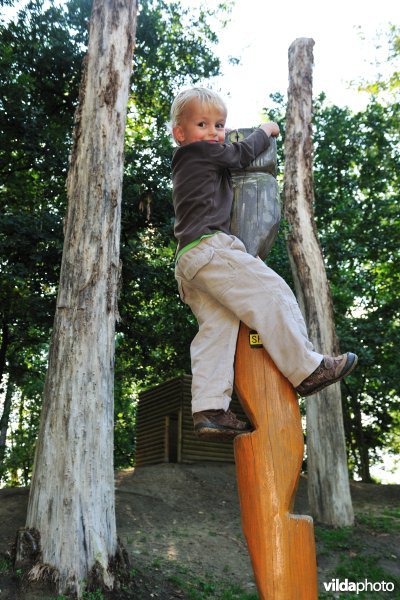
(268, 460)
(268, 463)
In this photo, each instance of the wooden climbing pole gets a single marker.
(268, 460)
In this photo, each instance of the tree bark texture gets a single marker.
(328, 483)
(5, 340)
(71, 504)
(4, 422)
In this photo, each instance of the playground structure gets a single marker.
(268, 460)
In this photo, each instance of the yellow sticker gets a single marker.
(255, 340)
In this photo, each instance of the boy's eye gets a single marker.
(220, 126)
(201, 124)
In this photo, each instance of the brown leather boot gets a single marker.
(331, 369)
(218, 424)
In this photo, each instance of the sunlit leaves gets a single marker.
(357, 165)
(356, 186)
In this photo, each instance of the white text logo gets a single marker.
(358, 586)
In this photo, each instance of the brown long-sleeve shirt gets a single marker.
(202, 188)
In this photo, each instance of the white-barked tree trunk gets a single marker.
(71, 513)
(328, 481)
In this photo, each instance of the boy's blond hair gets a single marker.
(203, 95)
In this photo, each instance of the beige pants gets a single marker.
(224, 285)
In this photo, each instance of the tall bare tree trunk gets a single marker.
(4, 422)
(5, 341)
(71, 513)
(328, 482)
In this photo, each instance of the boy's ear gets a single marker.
(178, 134)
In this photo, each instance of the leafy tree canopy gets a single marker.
(388, 77)
(356, 186)
(41, 52)
(356, 197)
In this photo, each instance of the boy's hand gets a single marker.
(271, 128)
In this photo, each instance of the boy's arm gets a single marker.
(240, 154)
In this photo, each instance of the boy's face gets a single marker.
(201, 122)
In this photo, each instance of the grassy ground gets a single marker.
(346, 549)
(357, 561)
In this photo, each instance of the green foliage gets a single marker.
(356, 199)
(41, 53)
(96, 595)
(362, 567)
(341, 537)
(354, 560)
(207, 587)
(386, 521)
(388, 83)
(278, 258)
(155, 328)
(5, 565)
(356, 176)
(174, 46)
(356, 188)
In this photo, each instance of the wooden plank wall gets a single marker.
(154, 406)
(193, 448)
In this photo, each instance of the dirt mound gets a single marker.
(184, 515)
(186, 519)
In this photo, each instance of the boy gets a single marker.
(219, 280)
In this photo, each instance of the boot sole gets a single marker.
(208, 433)
(324, 385)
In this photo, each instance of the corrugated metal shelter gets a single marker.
(164, 427)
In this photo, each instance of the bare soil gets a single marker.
(185, 520)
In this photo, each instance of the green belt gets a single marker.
(193, 244)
